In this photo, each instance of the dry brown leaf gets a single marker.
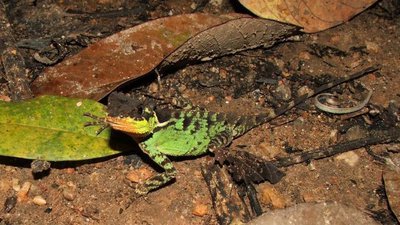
(228, 38)
(124, 56)
(312, 15)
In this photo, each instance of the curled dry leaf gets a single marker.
(127, 55)
(312, 15)
(228, 38)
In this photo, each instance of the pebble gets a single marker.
(303, 90)
(22, 194)
(200, 209)
(304, 55)
(372, 46)
(223, 73)
(15, 185)
(313, 214)
(153, 87)
(269, 195)
(69, 194)
(333, 136)
(39, 200)
(69, 170)
(210, 98)
(283, 92)
(351, 158)
(228, 98)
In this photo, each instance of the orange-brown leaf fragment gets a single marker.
(124, 56)
(312, 15)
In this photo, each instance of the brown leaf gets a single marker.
(228, 38)
(124, 56)
(312, 15)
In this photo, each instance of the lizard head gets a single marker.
(135, 126)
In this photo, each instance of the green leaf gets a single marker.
(52, 128)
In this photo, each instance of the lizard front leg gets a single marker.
(160, 179)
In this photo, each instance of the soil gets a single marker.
(246, 83)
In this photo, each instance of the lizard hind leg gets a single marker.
(160, 179)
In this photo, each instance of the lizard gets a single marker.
(194, 132)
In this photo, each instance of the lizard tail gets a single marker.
(249, 122)
(283, 109)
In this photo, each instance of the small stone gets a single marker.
(139, 175)
(39, 200)
(200, 209)
(304, 55)
(269, 195)
(333, 136)
(223, 73)
(351, 158)
(285, 74)
(69, 170)
(280, 63)
(15, 184)
(228, 98)
(153, 87)
(303, 90)
(214, 69)
(210, 99)
(372, 46)
(182, 88)
(311, 166)
(283, 92)
(22, 194)
(69, 194)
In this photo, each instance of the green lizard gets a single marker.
(193, 132)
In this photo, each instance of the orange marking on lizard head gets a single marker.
(132, 126)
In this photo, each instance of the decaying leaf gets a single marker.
(230, 37)
(312, 15)
(127, 55)
(52, 128)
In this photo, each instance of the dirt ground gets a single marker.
(244, 83)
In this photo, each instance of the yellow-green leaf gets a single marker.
(52, 128)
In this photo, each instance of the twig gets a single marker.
(375, 137)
